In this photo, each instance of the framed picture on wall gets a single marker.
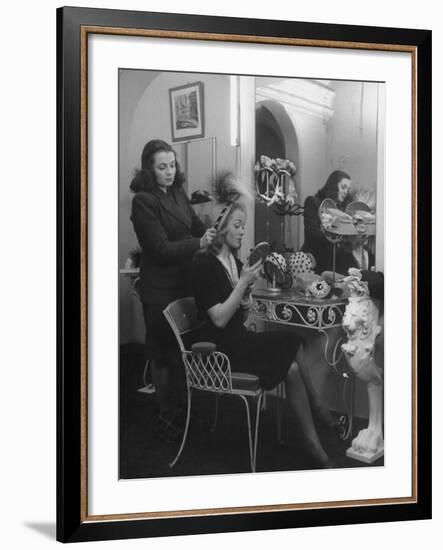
(187, 112)
(347, 109)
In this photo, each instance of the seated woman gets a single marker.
(222, 286)
(337, 188)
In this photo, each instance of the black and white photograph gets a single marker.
(251, 273)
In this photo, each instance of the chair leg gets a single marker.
(280, 413)
(257, 420)
(214, 424)
(248, 418)
(185, 433)
(253, 441)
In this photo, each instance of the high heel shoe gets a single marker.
(323, 417)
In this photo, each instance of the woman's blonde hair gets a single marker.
(219, 238)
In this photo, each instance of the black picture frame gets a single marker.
(73, 25)
(193, 126)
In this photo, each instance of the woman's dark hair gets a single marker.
(144, 179)
(330, 188)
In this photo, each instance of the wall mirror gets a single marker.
(322, 126)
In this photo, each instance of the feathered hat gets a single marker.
(230, 190)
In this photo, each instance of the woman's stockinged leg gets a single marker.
(177, 380)
(299, 403)
(170, 383)
(161, 379)
(319, 411)
(313, 396)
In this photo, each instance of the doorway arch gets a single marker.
(276, 138)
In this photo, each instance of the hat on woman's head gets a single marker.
(229, 190)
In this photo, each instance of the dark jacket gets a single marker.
(315, 241)
(345, 259)
(169, 232)
(376, 284)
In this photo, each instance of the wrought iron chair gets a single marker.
(210, 370)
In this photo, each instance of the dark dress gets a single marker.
(169, 232)
(268, 355)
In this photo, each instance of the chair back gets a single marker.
(182, 318)
(205, 371)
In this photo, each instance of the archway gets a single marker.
(275, 138)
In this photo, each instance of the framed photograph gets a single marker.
(187, 112)
(285, 216)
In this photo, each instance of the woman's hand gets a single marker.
(249, 274)
(208, 237)
(220, 314)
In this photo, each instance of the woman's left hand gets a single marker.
(250, 273)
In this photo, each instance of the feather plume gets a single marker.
(229, 188)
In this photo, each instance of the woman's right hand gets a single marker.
(250, 273)
(208, 237)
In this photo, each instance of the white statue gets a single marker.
(361, 325)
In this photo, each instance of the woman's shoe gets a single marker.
(324, 418)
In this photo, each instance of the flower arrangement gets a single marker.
(275, 165)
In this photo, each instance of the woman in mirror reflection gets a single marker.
(222, 287)
(337, 188)
(169, 233)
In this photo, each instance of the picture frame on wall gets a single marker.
(125, 78)
(187, 112)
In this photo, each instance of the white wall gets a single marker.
(352, 139)
(28, 356)
(313, 148)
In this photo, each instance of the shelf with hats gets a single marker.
(275, 185)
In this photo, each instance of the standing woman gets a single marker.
(337, 188)
(222, 286)
(169, 233)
